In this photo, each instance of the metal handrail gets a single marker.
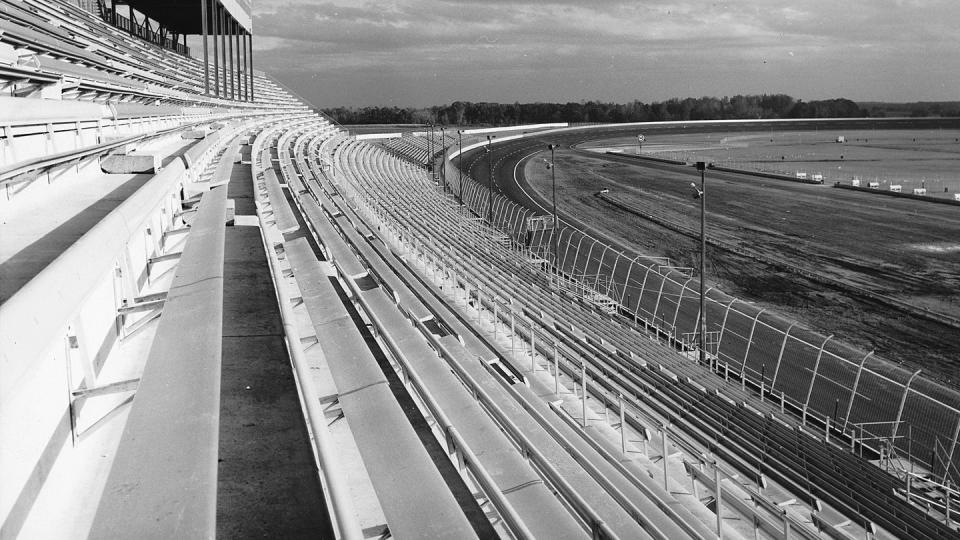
(9, 174)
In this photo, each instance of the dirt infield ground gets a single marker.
(906, 250)
(910, 158)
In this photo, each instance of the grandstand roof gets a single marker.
(183, 16)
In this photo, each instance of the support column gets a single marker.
(229, 36)
(246, 82)
(223, 52)
(206, 56)
(239, 63)
(216, 47)
(250, 59)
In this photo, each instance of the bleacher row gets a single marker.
(416, 147)
(765, 446)
(56, 50)
(409, 319)
(684, 521)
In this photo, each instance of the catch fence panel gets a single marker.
(764, 350)
(877, 400)
(688, 312)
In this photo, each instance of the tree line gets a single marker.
(763, 106)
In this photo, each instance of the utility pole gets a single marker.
(443, 162)
(556, 222)
(460, 166)
(701, 166)
(490, 169)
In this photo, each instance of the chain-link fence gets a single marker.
(827, 383)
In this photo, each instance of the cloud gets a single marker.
(606, 49)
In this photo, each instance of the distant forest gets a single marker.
(704, 108)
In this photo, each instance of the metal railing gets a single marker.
(142, 32)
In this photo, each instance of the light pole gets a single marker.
(430, 151)
(443, 162)
(702, 323)
(460, 166)
(556, 222)
(490, 172)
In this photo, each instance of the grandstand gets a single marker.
(222, 315)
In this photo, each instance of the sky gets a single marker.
(416, 53)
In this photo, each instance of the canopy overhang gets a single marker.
(184, 16)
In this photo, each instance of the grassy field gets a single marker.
(910, 158)
(905, 249)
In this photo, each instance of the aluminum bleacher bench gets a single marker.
(285, 220)
(163, 482)
(415, 499)
(508, 412)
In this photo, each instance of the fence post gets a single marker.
(576, 256)
(816, 368)
(627, 279)
(723, 328)
(853, 393)
(783, 346)
(566, 249)
(663, 283)
(613, 275)
(679, 301)
(746, 352)
(903, 402)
